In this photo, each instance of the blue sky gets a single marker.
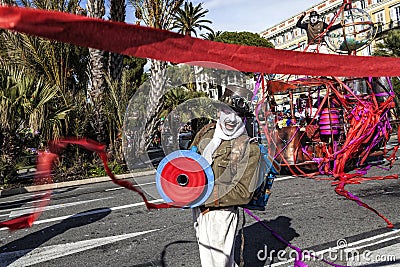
(254, 15)
(250, 15)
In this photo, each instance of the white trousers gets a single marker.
(215, 232)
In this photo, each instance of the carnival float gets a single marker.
(327, 124)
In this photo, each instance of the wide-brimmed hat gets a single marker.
(239, 99)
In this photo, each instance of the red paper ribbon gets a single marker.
(43, 176)
(134, 40)
(94, 146)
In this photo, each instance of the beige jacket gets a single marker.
(235, 166)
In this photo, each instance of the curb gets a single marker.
(35, 188)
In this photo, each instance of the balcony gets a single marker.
(382, 29)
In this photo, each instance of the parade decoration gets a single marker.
(42, 176)
(145, 42)
(333, 125)
(184, 178)
(356, 33)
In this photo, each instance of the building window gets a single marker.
(395, 13)
(379, 17)
(363, 4)
(288, 36)
(366, 51)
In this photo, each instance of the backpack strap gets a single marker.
(237, 151)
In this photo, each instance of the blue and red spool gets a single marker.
(185, 179)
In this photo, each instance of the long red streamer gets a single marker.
(91, 145)
(43, 176)
(164, 45)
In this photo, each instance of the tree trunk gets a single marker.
(115, 62)
(115, 68)
(157, 81)
(96, 10)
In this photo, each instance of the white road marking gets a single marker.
(375, 243)
(24, 197)
(42, 254)
(27, 196)
(91, 212)
(119, 188)
(23, 211)
(397, 231)
(21, 208)
(114, 189)
(284, 178)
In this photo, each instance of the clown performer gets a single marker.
(234, 157)
(314, 28)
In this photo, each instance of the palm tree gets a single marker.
(189, 18)
(211, 35)
(96, 9)
(156, 14)
(27, 102)
(176, 96)
(115, 63)
(118, 95)
(61, 65)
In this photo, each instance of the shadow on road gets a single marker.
(162, 262)
(260, 246)
(18, 203)
(164, 252)
(34, 240)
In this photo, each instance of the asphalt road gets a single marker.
(104, 225)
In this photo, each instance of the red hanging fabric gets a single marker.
(134, 40)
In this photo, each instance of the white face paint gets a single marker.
(229, 121)
(313, 19)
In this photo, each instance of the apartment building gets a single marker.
(385, 14)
